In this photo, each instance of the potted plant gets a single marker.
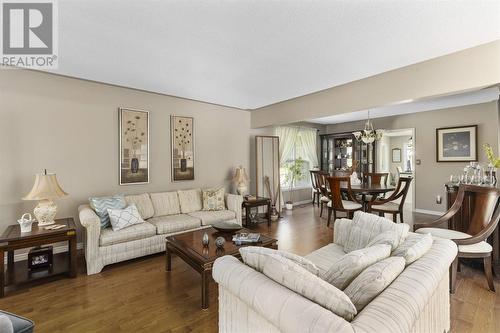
(294, 173)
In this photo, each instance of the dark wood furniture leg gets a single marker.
(2, 273)
(453, 274)
(247, 215)
(269, 213)
(168, 256)
(488, 272)
(10, 267)
(205, 279)
(72, 257)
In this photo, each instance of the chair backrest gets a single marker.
(314, 178)
(484, 208)
(335, 193)
(376, 177)
(341, 173)
(401, 191)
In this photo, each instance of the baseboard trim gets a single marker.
(56, 249)
(430, 212)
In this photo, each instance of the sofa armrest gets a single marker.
(233, 203)
(278, 305)
(92, 224)
(341, 231)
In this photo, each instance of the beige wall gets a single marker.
(70, 127)
(430, 175)
(471, 69)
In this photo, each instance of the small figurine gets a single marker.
(205, 241)
(219, 241)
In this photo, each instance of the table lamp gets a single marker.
(241, 180)
(45, 189)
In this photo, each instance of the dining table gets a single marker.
(374, 190)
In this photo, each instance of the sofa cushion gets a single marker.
(256, 257)
(101, 205)
(210, 217)
(373, 280)
(165, 203)
(143, 204)
(137, 231)
(190, 200)
(414, 247)
(213, 199)
(326, 256)
(367, 226)
(174, 223)
(389, 237)
(291, 275)
(123, 218)
(347, 268)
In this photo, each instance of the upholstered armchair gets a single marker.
(485, 214)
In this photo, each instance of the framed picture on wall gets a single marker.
(134, 146)
(396, 155)
(456, 144)
(182, 142)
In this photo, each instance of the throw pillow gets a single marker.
(214, 199)
(101, 205)
(386, 237)
(122, 218)
(366, 226)
(373, 280)
(291, 275)
(414, 247)
(347, 268)
(143, 204)
(256, 257)
(190, 200)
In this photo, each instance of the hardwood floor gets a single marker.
(139, 296)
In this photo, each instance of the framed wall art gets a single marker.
(396, 155)
(134, 146)
(456, 144)
(182, 142)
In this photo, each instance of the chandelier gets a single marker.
(368, 135)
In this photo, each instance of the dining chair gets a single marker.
(316, 194)
(484, 212)
(389, 206)
(324, 188)
(375, 178)
(337, 203)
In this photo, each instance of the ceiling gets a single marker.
(406, 107)
(249, 54)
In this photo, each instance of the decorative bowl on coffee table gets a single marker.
(226, 226)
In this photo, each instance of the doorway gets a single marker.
(396, 156)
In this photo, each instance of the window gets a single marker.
(300, 147)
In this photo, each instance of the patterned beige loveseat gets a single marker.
(165, 213)
(417, 300)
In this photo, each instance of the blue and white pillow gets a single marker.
(101, 205)
(122, 218)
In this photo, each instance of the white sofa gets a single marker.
(165, 213)
(416, 301)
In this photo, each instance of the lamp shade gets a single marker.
(240, 176)
(45, 187)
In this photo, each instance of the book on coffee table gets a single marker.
(246, 238)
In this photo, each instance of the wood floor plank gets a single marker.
(139, 296)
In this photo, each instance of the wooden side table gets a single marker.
(247, 205)
(18, 273)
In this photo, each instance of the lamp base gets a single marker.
(45, 212)
(242, 189)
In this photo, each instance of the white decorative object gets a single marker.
(241, 180)
(45, 189)
(289, 206)
(368, 135)
(354, 179)
(25, 223)
(123, 218)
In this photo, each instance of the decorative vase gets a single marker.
(205, 240)
(274, 214)
(219, 241)
(134, 165)
(183, 164)
(289, 205)
(45, 212)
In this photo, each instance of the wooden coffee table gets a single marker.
(189, 248)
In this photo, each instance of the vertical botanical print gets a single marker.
(182, 148)
(134, 146)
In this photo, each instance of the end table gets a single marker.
(17, 272)
(247, 205)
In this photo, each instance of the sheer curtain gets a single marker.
(288, 136)
(309, 140)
